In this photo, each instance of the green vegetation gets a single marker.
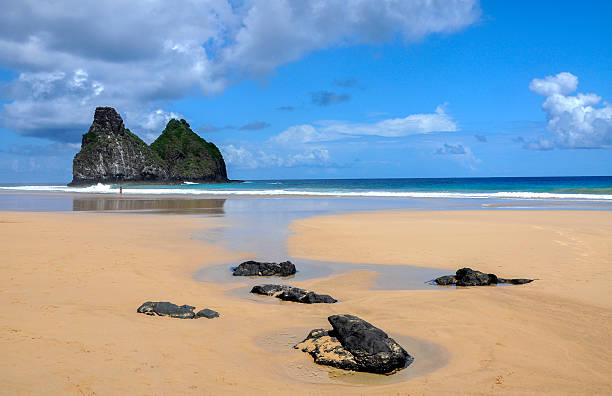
(90, 138)
(187, 155)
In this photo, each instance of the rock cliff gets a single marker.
(110, 153)
(188, 157)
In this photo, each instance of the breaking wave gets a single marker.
(188, 190)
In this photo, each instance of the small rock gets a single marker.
(256, 268)
(470, 277)
(268, 290)
(167, 309)
(290, 293)
(446, 280)
(354, 344)
(207, 313)
(164, 308)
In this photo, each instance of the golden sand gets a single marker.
(71, 282)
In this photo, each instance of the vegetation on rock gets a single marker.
(187, 156)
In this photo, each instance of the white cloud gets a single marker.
(563, 84)
(151, 124)
(242, 158)
(137, 56)
(305, 133)
(60, 106)
(315, 157)
(413, 124)
(574, 121)
(281, 31)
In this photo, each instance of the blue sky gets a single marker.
(342, 90)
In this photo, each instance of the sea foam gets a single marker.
(108, 189)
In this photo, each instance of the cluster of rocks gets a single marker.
(256, 268)
(354, 344)
(164, 308)
(295, 294)
(470, 277)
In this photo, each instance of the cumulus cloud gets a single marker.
(150, 123)
(575, 121)
(326, 98)
(277, 32)
(562, 84)
(140, 56)
(413, 124)
(242, 158)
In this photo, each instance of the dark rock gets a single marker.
(207, 313)
(355, 344)
(295, 294)
(470, 277)
(446, 280)
(255, 268)
(305, 297)
(167, 309)
(268, 290)
(164, 308)
(515, 281)
(110, 153)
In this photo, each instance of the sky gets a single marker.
(318, 89)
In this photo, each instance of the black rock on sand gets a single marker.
(354, 344)
(164, 308)
(256, 268)
(290, 293)
(470, 277)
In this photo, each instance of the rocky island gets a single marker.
(111, 153)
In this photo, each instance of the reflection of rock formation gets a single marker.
(180, 205)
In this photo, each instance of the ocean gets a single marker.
(522, 188)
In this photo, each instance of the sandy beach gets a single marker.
(71, 282)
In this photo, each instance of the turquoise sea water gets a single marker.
(589, 188)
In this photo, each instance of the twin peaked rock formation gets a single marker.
(110, 153)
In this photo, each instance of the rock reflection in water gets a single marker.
(166, 205)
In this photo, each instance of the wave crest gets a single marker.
(109, 189)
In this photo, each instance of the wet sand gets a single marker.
(71, 282)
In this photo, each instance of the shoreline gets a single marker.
(52, 201)
(186, 192)
(89, 272)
